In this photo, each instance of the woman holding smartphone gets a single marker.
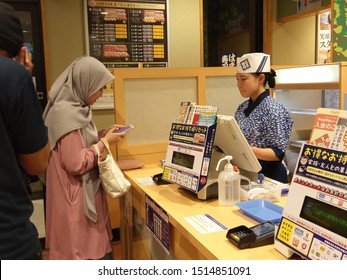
(77, 218)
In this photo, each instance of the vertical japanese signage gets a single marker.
(323, 38)
(128, 33)
(229, 59)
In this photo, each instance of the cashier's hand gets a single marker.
(112, 137)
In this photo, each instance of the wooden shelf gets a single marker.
(311, 112)
(301, 89)
(297, 143)
(296, 86)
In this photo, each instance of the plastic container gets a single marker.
(228, 184)
(262, 210)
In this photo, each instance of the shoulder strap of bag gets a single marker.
(106, 145)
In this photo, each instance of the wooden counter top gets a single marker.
(186, 242)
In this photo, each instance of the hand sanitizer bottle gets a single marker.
(228, 184)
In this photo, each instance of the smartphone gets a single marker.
(124, 129)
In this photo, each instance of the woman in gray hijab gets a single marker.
(77, 218)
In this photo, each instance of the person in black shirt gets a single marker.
(24, 148)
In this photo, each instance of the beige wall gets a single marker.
(184, 33)
(293, 41)
(65, 31)
(65, 37)
(64, 34)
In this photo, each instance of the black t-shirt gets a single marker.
(22, 131)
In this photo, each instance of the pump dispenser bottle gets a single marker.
(228, 184)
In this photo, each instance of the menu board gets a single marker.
(128, 33)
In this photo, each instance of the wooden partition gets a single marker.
(150, 99)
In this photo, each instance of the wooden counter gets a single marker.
(186, 242)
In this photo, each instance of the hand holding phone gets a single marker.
(124, 129)
(24, 58)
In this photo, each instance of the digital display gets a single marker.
(263, 228)
(325, 215)
(182, 159)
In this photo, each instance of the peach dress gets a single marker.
(69, 233)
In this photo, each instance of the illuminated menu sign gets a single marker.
(128, 33)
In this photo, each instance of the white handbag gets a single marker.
(112, 178)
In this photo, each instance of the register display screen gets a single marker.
(325, 215)
(182, 159)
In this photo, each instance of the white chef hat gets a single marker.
(253, 63)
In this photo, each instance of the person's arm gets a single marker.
(110, 136)
(30, 145)
(35, 163)
(267, 154)
(76, 158)
(277, 133)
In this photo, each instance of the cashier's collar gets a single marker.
(253, 104)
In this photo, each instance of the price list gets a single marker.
(128, 33)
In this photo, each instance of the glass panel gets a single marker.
(222, 92)
(155, 118)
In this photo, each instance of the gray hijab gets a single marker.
(67, 111)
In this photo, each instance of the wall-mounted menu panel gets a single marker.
(128, 33)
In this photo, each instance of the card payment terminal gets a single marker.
(259, 235)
